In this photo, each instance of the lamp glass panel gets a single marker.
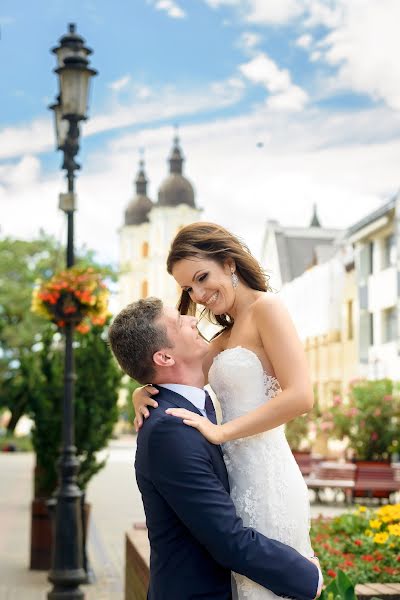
(74, 91)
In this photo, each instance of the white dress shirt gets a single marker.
(195, 395)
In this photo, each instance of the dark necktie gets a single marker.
(209, 408)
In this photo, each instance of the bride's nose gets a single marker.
(199, 296)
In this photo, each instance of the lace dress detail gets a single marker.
(267, 487)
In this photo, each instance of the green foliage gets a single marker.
(127, 410)
(20, 443)
(96, 394)
(369, 419)
(341, 588)
(297, 431)
(22, 263)
(45, 409)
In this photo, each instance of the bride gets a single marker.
(257, 368)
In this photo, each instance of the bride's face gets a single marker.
(208, 283)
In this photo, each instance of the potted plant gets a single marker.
(297, 434)
(96, 412)
(369, 418)
(76, 295)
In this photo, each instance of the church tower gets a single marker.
(134, 244)
(149, 230)
(175, 208)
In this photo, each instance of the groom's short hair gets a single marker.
(135, 335)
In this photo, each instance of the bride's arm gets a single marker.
(285, 352)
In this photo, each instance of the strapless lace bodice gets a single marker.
(240, 382)
(267, 487)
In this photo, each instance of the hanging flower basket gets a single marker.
(76, 296)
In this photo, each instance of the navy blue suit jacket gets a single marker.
(196, 538)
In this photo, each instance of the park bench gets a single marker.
(334, 476)
(305, 460)
(375, 480)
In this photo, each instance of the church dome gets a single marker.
(138, 209)
(176, 189)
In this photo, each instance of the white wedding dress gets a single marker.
(266, 484)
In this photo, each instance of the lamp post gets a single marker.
(74, 74)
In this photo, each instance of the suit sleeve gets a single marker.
(182, 471)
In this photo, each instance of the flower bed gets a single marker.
(365, 544)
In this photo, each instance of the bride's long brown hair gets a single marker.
(213, 242)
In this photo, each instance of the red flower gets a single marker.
(367, 557)
(349, 563)
(358, 542)
(331, 573)
(376, 569)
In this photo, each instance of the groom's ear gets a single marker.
(161, 358)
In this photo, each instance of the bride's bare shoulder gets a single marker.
(267, 300)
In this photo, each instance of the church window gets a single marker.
(145, 289)
(145, 249)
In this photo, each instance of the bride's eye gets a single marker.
(203, 277)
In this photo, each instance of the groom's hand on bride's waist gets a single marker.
(315, 560)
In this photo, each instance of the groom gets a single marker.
(196, 538)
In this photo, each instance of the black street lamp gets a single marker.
(67, 571)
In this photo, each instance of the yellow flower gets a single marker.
(394, 530)
(362, 509)
(375, 524)
(381, 538)
(368, 533)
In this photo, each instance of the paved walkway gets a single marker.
(116, 505)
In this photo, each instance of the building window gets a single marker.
(371, 329)
(350, 323)
(389, 251)
(371, 257)
(145, 249)
(366, 260)
(389, 324)
(145, 289)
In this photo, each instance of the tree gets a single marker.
(96, 395)
(22, 263)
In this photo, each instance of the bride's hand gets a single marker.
(213, 433)
(141, 399)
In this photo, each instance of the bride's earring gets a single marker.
(235, 279)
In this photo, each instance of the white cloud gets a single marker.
(249, 40)
(293, 99)
(365, 47)
(263, 12)
(309, 157)
(304, 41)
(34, 137)
(323, 12)
(284, 95)
(146, 105)
(120, 84)
(315, 55)
(171, 8)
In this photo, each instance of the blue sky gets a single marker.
(280, 104)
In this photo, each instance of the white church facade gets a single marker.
(148, 230)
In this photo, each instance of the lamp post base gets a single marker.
(58, 593)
